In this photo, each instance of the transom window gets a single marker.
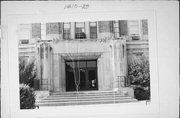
(80, 30)
(93, 30)
(66, 31)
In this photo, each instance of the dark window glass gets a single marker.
(91, 63)
(67, 31)
(105, 26)
(53, 28)
(24, 41)
(71, 65)
(123, 28)
(36, 30)
(145, 27)
(80, 30)
(93, 30)
(84, 75)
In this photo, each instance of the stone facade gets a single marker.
(110, 50)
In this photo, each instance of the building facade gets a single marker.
(83, 56)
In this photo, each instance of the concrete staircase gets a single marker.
(83, 98)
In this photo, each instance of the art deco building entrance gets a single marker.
(81, 75)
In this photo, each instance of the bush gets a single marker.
(27, 72)
(141, 93)
(139, 77)
(27, 97)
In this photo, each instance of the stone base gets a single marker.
(41, 94)
(127, 91)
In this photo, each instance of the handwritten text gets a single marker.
(76, 6)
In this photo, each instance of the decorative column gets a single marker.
(45, 69)
(114, 79)
(119, 63)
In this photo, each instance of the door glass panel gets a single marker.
(91, 64)
(92, 78)
(70, 84)
(82, 74)
(82, 85)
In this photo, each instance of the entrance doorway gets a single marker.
(81, 75)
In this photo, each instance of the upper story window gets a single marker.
(54, 30)
(66, 30)
(93, 30)
(36, 30)
(134, 29)
(24, 33)
(145, 27)
(29, 33)
(80, 30)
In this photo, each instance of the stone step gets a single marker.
(85, 102)
(79, 95)
(83, 93)
(84, 99)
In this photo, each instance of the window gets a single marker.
(105, 26)
(80, 30)
(134, 29)
(36, 30)
(123, 28)
(24, 33)
(53, 28)
(66, 31)
(145, 27)
(93, 30)
(24, 41)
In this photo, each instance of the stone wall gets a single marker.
(102, 51)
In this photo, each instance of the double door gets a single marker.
(81, 75)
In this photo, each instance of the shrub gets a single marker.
(27, 72)
(27, 97)
(141, 94)
(139, 76)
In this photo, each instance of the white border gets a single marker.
(42, 12)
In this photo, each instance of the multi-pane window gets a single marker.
(116, 28)
(24, 33)
(36, 30)
(66, 31)
(123, 28)
(80, 30)
(145, 27)
(53, 28)
(54, 31)
(105, 26)
(134, 29)
(93, 30)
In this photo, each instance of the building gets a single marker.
(83, 56)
